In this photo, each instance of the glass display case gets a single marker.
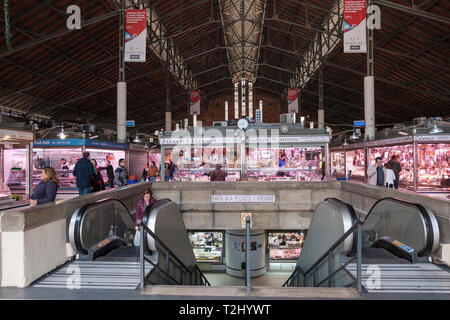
(355, 165)
(195, 164)
(285, 245)
(404, 155)
(300, 164)
(337, 165)
(433, 166)
(207, 246)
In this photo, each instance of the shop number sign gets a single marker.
(244, 215)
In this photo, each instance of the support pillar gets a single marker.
(168, 121)
(121, 112)
(321, 117)
(369, 108)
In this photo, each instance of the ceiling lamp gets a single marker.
(354, 136)
(436, 129)
(345, 142)
(136, 139)
(61, 134)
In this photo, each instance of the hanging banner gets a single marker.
(194, 102)
(292, 100)
(355, 26)
(135, 35)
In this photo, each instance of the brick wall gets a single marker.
(213, 108)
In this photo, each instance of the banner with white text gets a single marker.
(135, 35)
(355, 26)
(292, 100)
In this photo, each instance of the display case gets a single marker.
(337, 165)
(285, 245)
(404, 155)
(433, 166)
(302, 164)
(355, 165)
(207, 246)
(202, 174)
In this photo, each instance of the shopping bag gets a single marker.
(137, 238)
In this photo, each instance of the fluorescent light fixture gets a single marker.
(403, 133)
(436, 129)
(61, 134)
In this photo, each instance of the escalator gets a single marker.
(102, 234)
(397, 241)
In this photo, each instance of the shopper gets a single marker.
(85, 174)
(64, 164)
(145, 172)
(377, 173)
(99, 184)
(146, 200)
(45, 191)
(281, 164)
(218, 174)
(109, 173)
(121, 174)
(390, 176)
(172, 170)
(397, 168)
(322, 170)
(153, 172)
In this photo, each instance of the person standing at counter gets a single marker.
(109, 173)
(99, 183)
(85, 174)
(121, 174)
(64, 165)
(377, 173)
(396, 167)
(218, 174)
(145, 172)
(282, 164)
(45, 191)
(152, 172)
(172, 170)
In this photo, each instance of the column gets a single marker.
(369, 108)
(243, 97)
(168, 121)
(226, 110)
(250, 100)
(121, 112)
(321, 118)
(236, 100)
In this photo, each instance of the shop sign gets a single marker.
(78, 143)
(444, 137)
(244, 216)
(246, 198)
(355, 26)
(253, 140)
(135, 35)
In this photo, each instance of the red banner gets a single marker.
(194, 103)
(355, 26)
(293, 100)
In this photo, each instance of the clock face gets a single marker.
(242, 124)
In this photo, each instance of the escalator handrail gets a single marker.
(77, 218)
(426, 217)
(165, 247)
(325, 254)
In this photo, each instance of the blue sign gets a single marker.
(359, 123)
(78, 143)
(129, 123)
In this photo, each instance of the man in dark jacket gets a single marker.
(218, 174)
(85, 174)
(109, 173)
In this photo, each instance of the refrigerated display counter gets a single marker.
(15, 149)
(285, 245)
(424, 158)
(207, 246)
(62, 155)
(337, 165)
(252, 155)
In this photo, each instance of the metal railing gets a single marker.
(294, 279)
(196, 277)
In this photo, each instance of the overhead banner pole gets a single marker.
(121, 85)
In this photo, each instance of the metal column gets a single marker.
(247, 255)
(121, 85)
(415, 168)
(369, 88)
(29, 178)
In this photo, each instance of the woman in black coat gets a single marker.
(98, 184)
(45, 191)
